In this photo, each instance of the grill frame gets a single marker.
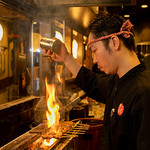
(29, 138)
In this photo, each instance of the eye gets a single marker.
(94, 50)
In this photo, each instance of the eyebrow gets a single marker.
(90, 47)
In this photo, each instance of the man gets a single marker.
(126, 92)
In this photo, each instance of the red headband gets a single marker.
(124, 30)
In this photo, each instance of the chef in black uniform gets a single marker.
(124, 88)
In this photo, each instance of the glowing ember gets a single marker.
(49, 142)
(52, 114)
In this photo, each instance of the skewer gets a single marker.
(35, 132)
(64, 136)
(77, 129)
(81, 128)
(68, 136)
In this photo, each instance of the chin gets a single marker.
(107, 72)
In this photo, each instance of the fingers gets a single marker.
(48, 52)
(44, 50)
(56, 57)
(53, 56)
(50, 59)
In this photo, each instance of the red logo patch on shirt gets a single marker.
(120, 109)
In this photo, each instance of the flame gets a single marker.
(52, 113)
(50, 142)
(59, 78)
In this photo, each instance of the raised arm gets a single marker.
(72, 65)
(63, 56)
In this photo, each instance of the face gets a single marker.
(104, 58)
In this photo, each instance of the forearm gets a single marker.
(72, 65)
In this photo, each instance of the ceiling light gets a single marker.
(126, 16)
(75, 33)
(74, 48)
(34, 22)
(58, 35)
(144, 6)
(1, 32)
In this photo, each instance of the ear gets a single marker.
(114, 43)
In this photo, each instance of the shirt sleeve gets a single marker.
(95, 85)
(143, 125)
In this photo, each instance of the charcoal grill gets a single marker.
(33, 140)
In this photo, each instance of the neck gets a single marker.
(128, 61)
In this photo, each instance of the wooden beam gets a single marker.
(81, 3)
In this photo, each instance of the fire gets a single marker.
(60, 85)
(52, 113)
(59, 71)
(58, 77)
(50, 142)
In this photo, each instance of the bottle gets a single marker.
(50, 44)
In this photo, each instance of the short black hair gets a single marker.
(108, 24)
